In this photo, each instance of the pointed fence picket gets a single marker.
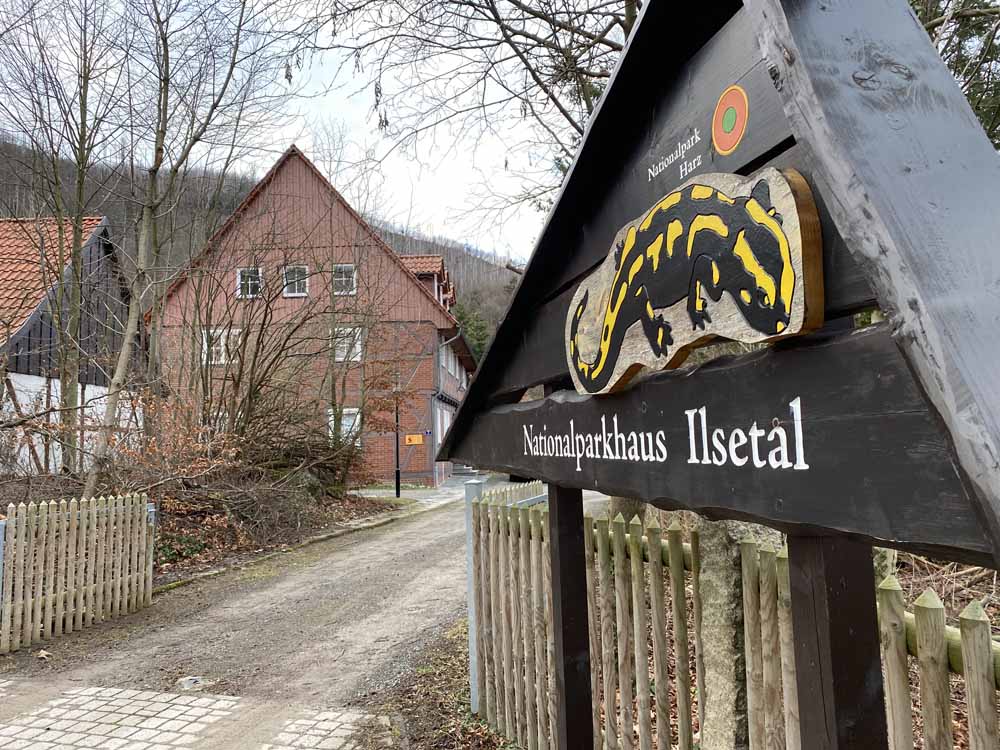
(645, 611)
(939, 651)
(640, 584)
(65, 566)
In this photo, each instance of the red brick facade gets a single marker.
(297, 286)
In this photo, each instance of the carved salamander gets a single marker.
(695, 242)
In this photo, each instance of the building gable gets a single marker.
(295, 205)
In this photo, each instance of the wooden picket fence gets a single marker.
(633, 576)
(66, 565)
(940, 651)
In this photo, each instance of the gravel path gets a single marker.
(321, 626)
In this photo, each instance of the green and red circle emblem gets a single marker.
(729, 122)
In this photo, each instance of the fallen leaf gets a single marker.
(43, 654)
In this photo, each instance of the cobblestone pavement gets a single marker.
(114, 719)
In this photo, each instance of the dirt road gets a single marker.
(320, 626)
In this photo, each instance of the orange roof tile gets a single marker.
(25, 275)
(421, 264)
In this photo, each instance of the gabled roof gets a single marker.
(447, 322)
(29, 264)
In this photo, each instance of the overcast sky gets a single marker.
(439, 190)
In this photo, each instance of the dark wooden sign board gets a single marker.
(841, 438)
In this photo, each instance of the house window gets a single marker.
(347, 344)
(345, 279)
(350, 424)
(249, 283)
(217, 344)
(296, 280)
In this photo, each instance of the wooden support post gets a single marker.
(838, 666)
(572, 729)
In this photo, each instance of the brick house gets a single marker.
(296, 303)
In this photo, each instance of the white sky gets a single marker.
(439, 190)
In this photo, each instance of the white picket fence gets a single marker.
(66, 565)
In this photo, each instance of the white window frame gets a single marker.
(355, 352)
(284, 280)
(223, 336)
(354, 279)
(239, 282)
(356, 429)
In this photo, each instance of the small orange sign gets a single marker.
(415, 439)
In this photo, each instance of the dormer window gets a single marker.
(249, 282)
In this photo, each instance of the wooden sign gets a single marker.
(832, 432)
(414, 439)
(721, 256)
(842, 120)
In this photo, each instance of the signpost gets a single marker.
(750, 173)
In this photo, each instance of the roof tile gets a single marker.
(29, 264)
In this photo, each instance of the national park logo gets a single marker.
(721, 256)
(729, 121)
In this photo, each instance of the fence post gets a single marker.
(473, 492)
(3, 610)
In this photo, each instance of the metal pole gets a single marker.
(397, 446)
(473, 491)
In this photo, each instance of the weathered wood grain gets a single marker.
(838, 669)
(62, 564)
(909, 177)
(789, 685)
(41, 565)
(150, 552)
(626, 643)
(7, 585)
(640, 641)
(594, 629)
(514, 604)
(528, 630)
(540, 609)
(661, 656)
(774, 721)
(31, 577)
(80, 587)
(980, 688)
(892, 630)
(91, 575)
(135, 568)
(609, 671)
(486, 614)
(17, 621)
(750, 569)
(880, 465)
(570, 725)
(935, 687)
(555, 684)
(682, 645)
(109, 559)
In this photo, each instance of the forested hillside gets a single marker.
(483, 282)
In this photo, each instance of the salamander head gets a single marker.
(767, 286)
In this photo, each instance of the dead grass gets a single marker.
(429, 707)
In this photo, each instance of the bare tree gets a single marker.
(61, 72)
(530, 73)
(203, 77)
